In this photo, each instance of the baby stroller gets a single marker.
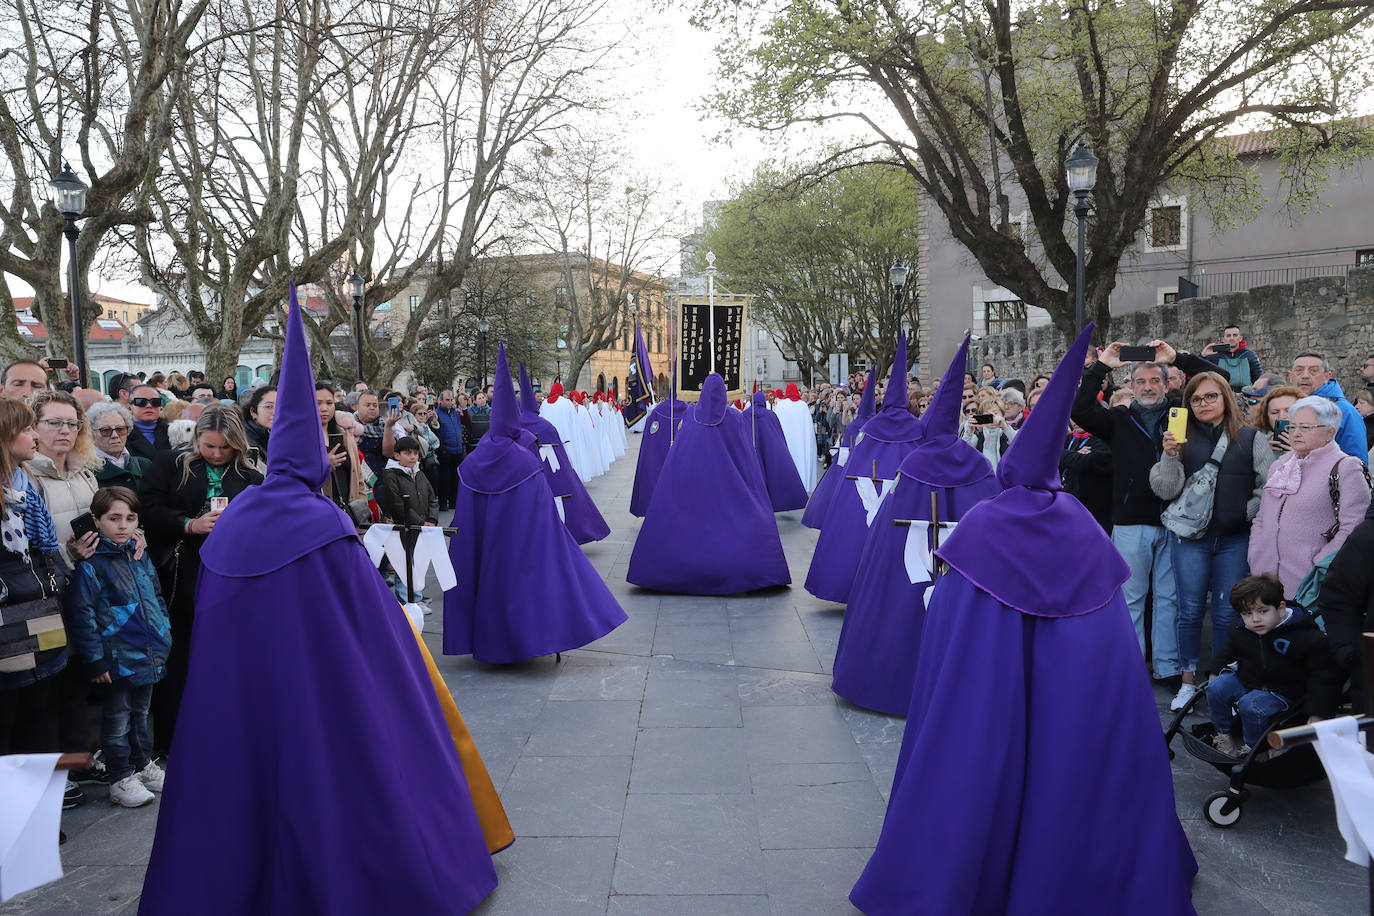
(1298, 766)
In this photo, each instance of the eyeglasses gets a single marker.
(111, 432)
(145, 402)
(1210, 397)
(1307, 427)
(54, 423)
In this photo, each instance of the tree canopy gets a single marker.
(977, 100)
(815, 255)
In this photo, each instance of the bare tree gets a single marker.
(97, 91)
(610, 233)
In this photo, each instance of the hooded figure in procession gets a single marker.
(800, 431)
(561, 411)
(869, 474)
(785, 490)
(572, 502)
(662, 424)
(525, 588)
(1032, 778)
(299, 650)
(709, 529)
(937, 483)
(819, 504)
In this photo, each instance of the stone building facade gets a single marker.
(1333, 315)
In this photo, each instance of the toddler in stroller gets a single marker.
(1281, 659)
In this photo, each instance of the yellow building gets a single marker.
(125, 312)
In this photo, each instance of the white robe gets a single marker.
(562, 413)
(596, 458)
(800, 434)
(615, 426)
(603, 435)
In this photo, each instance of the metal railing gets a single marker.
(1241, 281)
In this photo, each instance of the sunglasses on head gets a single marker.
(145, 402)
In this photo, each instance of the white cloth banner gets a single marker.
(547, 453)
(430, 550)
(558, 504)
(30, 812)
(917, 556)
(1351, 771)
(842, 455)
(870, 497)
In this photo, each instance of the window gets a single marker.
(1001, 317)
(1170, 297)
(625, 339)
(659, 348)
(1364, 257)
(126, 317)
(414, 303)
(1167, 225)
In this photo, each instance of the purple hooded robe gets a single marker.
(301, 660)
(580, 515)
(1032, 778)
(886, 439)
(785, 489)
(819, 504)
(875, 661)
(660, 432)
(524, 588)
(709, 530)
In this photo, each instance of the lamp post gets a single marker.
(1081, 169)
(355, 289)
(483, 326)
(529, 348)
(896, 275)
(711, 302)
(69, 196)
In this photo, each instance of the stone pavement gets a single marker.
(695, 761)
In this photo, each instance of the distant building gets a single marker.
(1180, 241)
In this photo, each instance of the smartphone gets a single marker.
(1221, 348)
(984, 419)
(254, 453)
(1280, 427)
(83, 525)
(1138, 354)
(393, 403)
(57, 363)
(219, 503)
(1178, 422)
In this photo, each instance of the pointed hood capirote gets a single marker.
(250, 538)
(895, 395)
(528, 405)
(1084, 570)
(505, 415)
(942, 458)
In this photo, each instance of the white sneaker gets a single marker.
(1185, 693)
(130, 792)
(151, 776)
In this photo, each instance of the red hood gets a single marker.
(792, 393)
(555, 392)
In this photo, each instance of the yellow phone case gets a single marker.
(1178, 423)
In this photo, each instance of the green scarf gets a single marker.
(214, 482)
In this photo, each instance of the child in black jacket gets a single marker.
(1282, 657)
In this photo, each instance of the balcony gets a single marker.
(1240, 281)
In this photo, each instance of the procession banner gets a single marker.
(694, 344)
(634, 411)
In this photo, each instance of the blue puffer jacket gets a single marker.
(1350, 437)
(118, 618)
(450, 429)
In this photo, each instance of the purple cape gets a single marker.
(785, 489)
(300, 660)
(875, 662)
(524, 589)
(819, 504)
(583, 520)
(708, 530)
(660, 431)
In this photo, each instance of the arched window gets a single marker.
(601, 381)
(264, 373)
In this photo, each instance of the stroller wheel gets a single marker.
(1222, 809)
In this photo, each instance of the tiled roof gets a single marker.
(1260, 142)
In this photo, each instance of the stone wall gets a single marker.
(1333, 315)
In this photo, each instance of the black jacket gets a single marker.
(1293, 660)
(1347, 603)
(1134, 449)
(1085, 470)
(140, 446)
(424, 505)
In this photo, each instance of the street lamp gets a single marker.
(897, 275)
(1081, 169)
(483, 326)
(69, 196)
(355, 289)
(711, 302)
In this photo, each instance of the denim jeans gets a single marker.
(124, 729)
(1145, 548)
(1208, 564)
(1257, 707)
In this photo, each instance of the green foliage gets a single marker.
(815, 255)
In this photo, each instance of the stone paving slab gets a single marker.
(694, 761)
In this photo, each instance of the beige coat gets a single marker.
(67, 495)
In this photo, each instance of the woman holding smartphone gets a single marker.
(1214, 559)
(182, 494)
(1272, 417)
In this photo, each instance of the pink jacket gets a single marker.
(1286, 537)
